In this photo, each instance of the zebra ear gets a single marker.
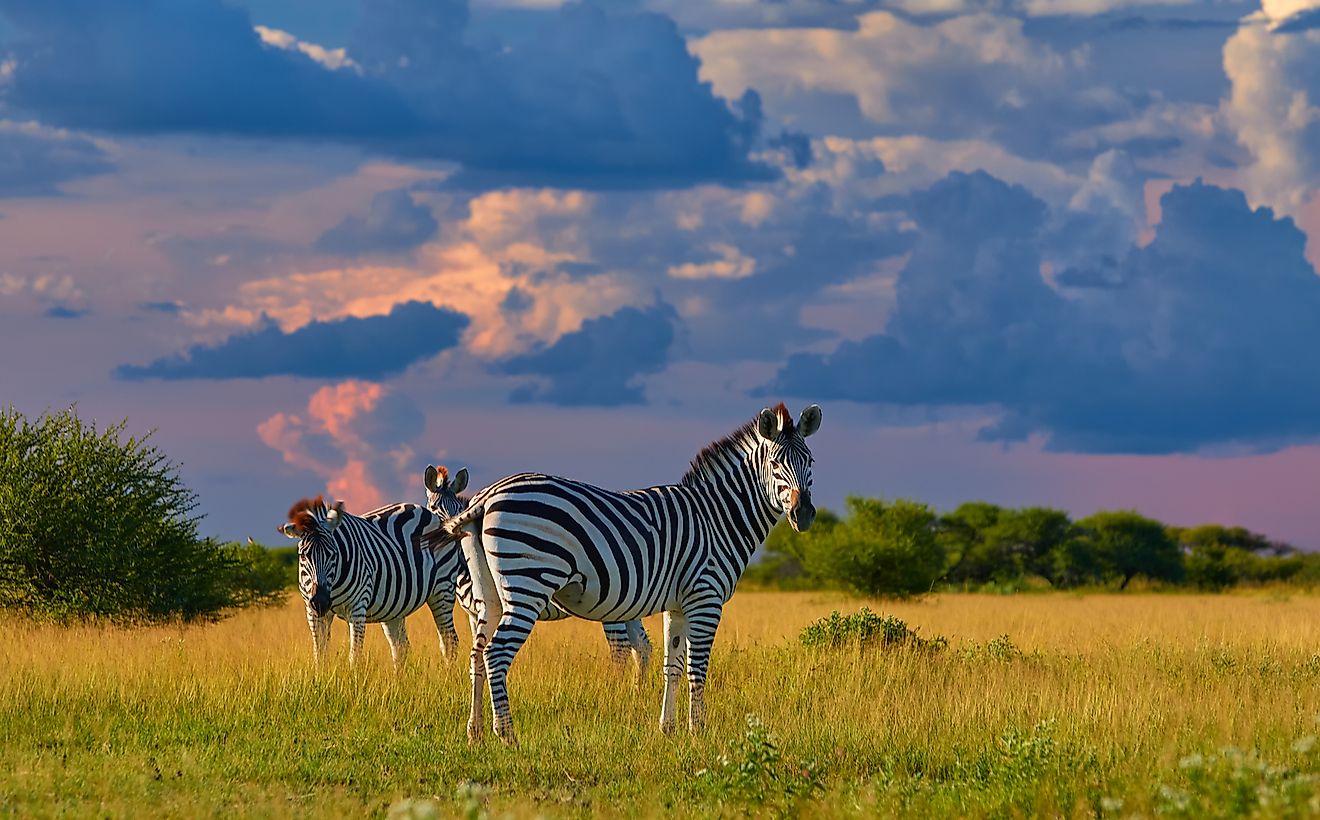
(333, 517)
(289, 529)
(460, 482)
(767, 424)
(809, 421)
(431, 475)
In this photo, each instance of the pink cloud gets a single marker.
(354, 436)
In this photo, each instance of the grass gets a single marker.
(1098, 705)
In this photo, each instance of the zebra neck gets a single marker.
(739, 508)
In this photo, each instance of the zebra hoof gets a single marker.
(667, 727)
(474, 733)
(506, 734)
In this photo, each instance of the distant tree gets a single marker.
(965, 535)
(93, 523)
(782, 562)
(1127, 544)
(880, 548)
(1218, 557)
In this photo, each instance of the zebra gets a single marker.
(678, 549)
(443, 499)
(371, 568)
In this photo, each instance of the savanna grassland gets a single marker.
(1110, 705)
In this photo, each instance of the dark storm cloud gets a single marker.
(594, 98)
(1204, 337)
(599, 363)
(34, 162)
(393, 223)
(370, 348)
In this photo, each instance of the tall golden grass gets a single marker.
(1087, 709)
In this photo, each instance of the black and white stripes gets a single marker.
(371, 569)
(533, 539)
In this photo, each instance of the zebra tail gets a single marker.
(452, 529)
(474, 555)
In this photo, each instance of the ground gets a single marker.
(1107, 705)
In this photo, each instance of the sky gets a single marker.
(1056, 252)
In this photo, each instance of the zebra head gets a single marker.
(313, 525)
(442, 494)
(786, 461)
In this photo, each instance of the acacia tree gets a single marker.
(1127, 544)
(93, 523)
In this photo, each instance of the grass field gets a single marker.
(1096, 705)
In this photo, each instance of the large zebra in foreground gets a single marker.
(443, 499)
(608, 556)
(371, 569)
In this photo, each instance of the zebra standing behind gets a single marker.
(371, 569)
(609, 556)
(443, 499)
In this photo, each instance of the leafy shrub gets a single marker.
(1000, 649)
(259, 575)
(865, 628)
(756, 771)
(93, 523)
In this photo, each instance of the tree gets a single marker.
(963, 534)
(1218, 557)
(1127, 544)
(784, 555)
(880, 548)
(96, 524)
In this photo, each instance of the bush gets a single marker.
(865, 628)
(883, 548)
(756, 772)
(260, 575)
(96, 524)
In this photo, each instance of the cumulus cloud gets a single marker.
(1274, 105)
(35, 161)
(594, 98)
(393, 223)
(356, 437)
(366, 347)
(599, 363)
(1201, 338)
(57, 295)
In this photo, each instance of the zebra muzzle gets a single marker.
(320, 600)
(801, 512)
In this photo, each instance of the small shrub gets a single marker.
(865, 628)
(756, 771)
(1001, 649)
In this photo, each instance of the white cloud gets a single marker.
(1274, 108)
(730, 263)
(332, 58)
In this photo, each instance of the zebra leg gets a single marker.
(676, 642)
(320, 627)
(616, 636)
(357, 633)
(514, 628)
(477, 671)
(442, 610)
(396, 632)
(703, 621)
(641, 647)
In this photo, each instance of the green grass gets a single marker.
(1106, 705)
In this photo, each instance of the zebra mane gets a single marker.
(304, 513)
(734, 442)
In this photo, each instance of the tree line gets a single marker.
(905, 547)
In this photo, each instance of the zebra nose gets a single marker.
(801, 513)
(320, 600)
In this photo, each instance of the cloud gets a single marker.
(35, 161)
(58, 295)
(1274, 107)
(599, 363)
(356, 437)
(594, 98)
(1202, 338)
(393, 223)
(368, 347)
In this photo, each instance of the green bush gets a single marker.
(96, 524)
(865, 628)
(882, 548)
(260, 575)
(756, 772)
